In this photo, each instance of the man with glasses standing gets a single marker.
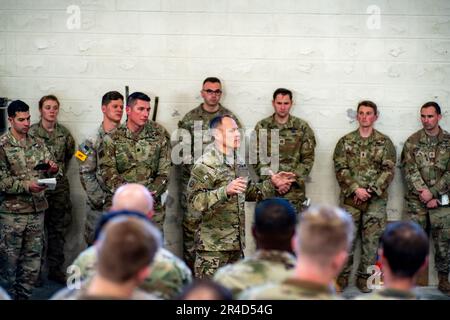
(196, 123)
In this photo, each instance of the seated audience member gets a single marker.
(273, 261)
(322, 243)
(205, 289)
(404, 253)
(126, 247)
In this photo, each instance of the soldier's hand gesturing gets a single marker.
(282, 181)
(237, 186)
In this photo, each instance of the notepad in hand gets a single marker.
(50, 183)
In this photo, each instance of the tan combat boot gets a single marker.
(341, 283)
(361, 284)
(444, 285)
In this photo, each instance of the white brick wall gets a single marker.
(323, 50)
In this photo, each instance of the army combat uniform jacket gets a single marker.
(223, 217)
(426, 164)
(17, 162)
(295, 150)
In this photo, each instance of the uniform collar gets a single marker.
(18, 143)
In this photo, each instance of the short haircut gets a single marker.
(132, 98)
(217, 121)
(212, 80)
(283, 92)
(105, 218)
(432, 104)
(368, 103)
(323, 232)
(110, 96)
(47, 97)
(275, 216)
(127, 245)
(17, 106)
(405, 247)
(217, 290)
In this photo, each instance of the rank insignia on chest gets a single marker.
(431, 154)
(282, 141)
(363, 154)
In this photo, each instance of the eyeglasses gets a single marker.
(217, 92)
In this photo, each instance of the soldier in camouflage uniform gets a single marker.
(426, 167)
(58, 216)
(138, 151)
(403, 251)
(364, 162)
(273, 261)
(97, 195)
(126, 248)
(22, 203)
(218, 189)
(195, 125)
(322, 242)
(168, 277)
(295, 151)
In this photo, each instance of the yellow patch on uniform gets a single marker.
(80, 155)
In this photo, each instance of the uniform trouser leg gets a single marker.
(190, 225)
(208, 262)
(440, 231)
(58, 217)
(372, 226)
(20, 252)
(437, 223)
(159, 217)
(92, 219)
(369, 225)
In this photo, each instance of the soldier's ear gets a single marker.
(103, 108)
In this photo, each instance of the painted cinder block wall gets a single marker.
(330, 53)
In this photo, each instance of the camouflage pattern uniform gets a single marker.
(290, 289)
(196, 122)
(169, 274)
(58, 216)
(220, 237)
(21, 213)
(426, 165)
(389, 294)
(262, 267)
(365, 163)
(81, 294)
(142, 158)
(296, 154)
(97, 194)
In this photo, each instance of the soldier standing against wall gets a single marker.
(426, 167)
(295, 149)
(58, 216)
(196, 123)
(138, 151)
(22, 203)
(87, 154)
(364, 162)
(218, 188)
